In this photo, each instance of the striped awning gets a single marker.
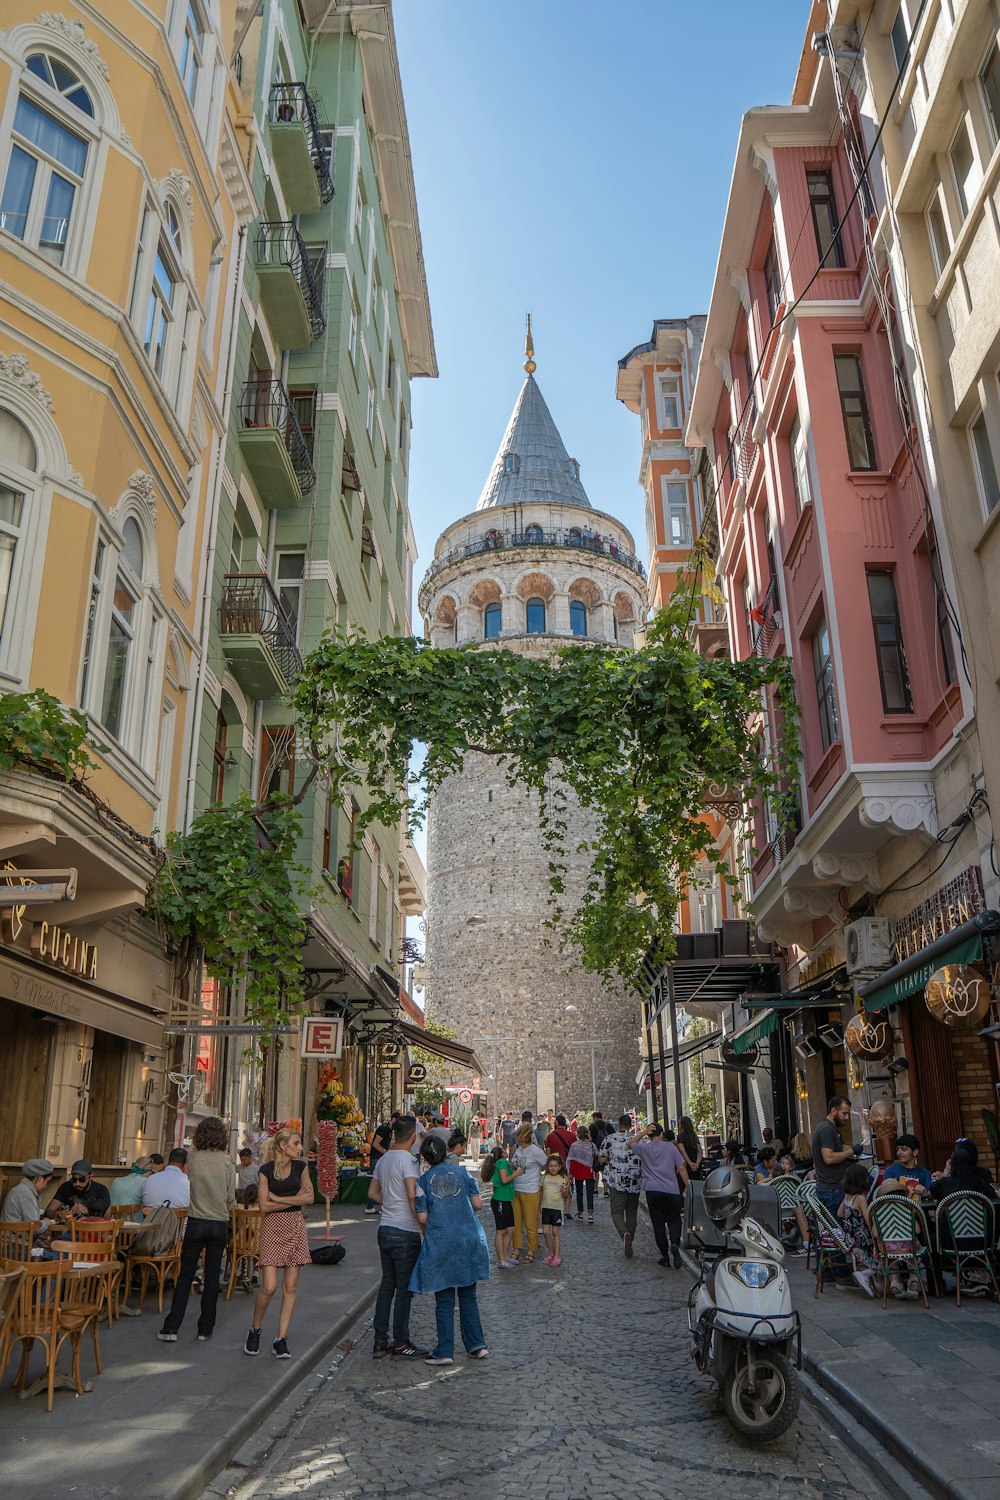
(754, 1031)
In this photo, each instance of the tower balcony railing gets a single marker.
(533, 536)
(291, 287)
(299, 151)
(273, 444)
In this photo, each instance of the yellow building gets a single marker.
(119, 169)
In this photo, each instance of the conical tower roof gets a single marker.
(532, 462)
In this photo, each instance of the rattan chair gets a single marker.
(966, 1236)
(807, 1197)
(55, 1303)
(826, 1237)
(787, 1190)
(161, 1266)
(16, 1241)
(244, 1234)
(900, 1233)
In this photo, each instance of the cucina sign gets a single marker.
(50, 943)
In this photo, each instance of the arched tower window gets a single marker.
(577, 617)
(533, 534)
(535, 612)
(491, 622)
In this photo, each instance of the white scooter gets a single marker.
(740, 1316)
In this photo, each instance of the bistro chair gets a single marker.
(787, 1190)
(55, 1303)
(9, 1284)
(966, 1236)
(244, 1234)
(161, 1267)
(15, 1244)
(827, 1238)
(900, 1233)
(807, 1197)
(96, 1241)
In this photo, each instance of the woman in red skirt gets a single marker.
(284, 1186)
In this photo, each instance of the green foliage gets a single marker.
(637, 736)
(701, 1102)
(431, 1094)
(37, 730)
(230, 885)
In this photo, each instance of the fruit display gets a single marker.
(334, 1103)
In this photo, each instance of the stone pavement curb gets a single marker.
(900, 1466)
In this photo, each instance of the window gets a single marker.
(121, 631)
(192, 54)
(219, 758)
(329, 833)
(854, 408)
(277, 760)
(93, 615)
(982, 449)
(964, 167)
(491, 622)
(900, 37)
(535, 614)
(677, 514)
(163, 309)
(48, 160)
(670, 401)
(511, 463)
(889, 642)
(18, 451)
(352, 334)
(989, 80)
(826, 700)
(291, 567)
(123, 650)
(573, 468)
(824, 216)
(304, 407)
(748, 387)
(937, 232)
(800, 466)
(370, 405)
(577, 617)
(772, 279)
(946, 639)
(160, 307)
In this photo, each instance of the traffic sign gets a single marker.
(465, 1096)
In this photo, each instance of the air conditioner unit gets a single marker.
(867, 945)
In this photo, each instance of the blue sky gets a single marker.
(572, 158)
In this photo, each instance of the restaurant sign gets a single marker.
(49, 943)
(322, 1036)
(952, 906)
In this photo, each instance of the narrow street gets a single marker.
(588, 1392)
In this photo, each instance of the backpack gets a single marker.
(328, 1255)
(158, 1234)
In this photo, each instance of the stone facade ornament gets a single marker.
(762, 158)
(15, 367)
(73, 32)
(902, 810)
(849, 869)
(141, 485)
(820, 901)
(176, 183)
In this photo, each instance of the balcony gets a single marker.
(257, 637)
(300, 157)
(534, 536)
(291, 294)
(272, 444)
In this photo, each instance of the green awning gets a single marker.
(754, 1031)
(908, 977)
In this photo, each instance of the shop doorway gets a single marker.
(106, 1074)
(24, 1080)
(937, 1116)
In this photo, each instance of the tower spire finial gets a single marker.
(529, 350)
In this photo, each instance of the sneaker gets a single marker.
(482, 1353)
(408, 1351)
(627, 1242)
(204, 1338)
(801, 1250)
(676, 1254)
(372, 1210)
(252, 1345)
(280, 1349)
(864, 1280)
(166, 1337)
(590, 1218)
(432, 1359)
(381, 1349)
(912, 1290)
(896, 1288)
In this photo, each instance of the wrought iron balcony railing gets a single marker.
(278, 243)
(250, 606)
(534, 536)
(265, 403)
(291, 102)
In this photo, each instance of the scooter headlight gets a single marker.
(755, 1273)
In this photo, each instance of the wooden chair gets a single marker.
(966, 1236)
(9, 1284)
(900, 1233)
(161, 1266)
(15, 1243)
(244, 1235)
(96, 1241)
(55, 1303)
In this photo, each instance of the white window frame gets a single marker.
(992, 124)
(16, 638)
(937, 201)
(206, 96)
(291, 585)
(798, 451)
(183, 315)
(963, 196)
(370, 402)
(676, 508)
(352, 331)
(981, 485)
(374, 870)
(387, 943)
(663, 380)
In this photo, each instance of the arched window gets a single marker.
(50, 146)
(18, 450)
(533, 534)
(122, 652)
(577, 617)
(491, 621)
(163, 308)
(536, 616)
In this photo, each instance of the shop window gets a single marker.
(535, 615)
(892, 674)
(577, 617)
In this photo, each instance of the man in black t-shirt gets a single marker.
(81, 1197)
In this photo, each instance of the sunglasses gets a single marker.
(79, 1179)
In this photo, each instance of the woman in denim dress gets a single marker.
(454, 1254)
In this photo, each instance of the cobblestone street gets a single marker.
(588, 1392)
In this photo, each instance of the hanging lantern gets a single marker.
(869, 1037)
(957, 995)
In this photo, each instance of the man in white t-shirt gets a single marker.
(169, 1186)
(394, 1186)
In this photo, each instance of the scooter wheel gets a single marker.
(768, 1409)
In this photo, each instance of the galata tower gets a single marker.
(534, 567)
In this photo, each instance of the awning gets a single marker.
(827, 989)
(964, 945)
(685, 1052)
(754, 1031)
(451, 1051)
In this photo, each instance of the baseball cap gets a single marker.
(81, 1168)
(37, 1166)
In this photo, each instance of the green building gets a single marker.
(328, 324)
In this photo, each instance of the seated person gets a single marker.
(801, 1151)
(169, 1186)
(963, 1175)
(246, 1176)
(785, 1166)
(731, 1154)
(853, 1213)
(81, 1197)
(21, 1204)
(905, 1171)
(764, 1168)
(127, 1190)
